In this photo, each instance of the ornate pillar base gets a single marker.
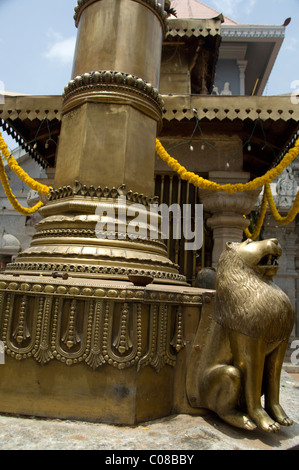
(96, 350)
(98, 233)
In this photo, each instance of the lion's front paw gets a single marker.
(269, 425)
(287, 421)
(239, 420)
(264, 422)
(277, 413)
(274, 427)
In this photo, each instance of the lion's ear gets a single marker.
(229, 245)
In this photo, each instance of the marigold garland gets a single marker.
(268, 198)
(264, 180)
(183, 173)
(35, 185)
(228, 188)
(292, 213)
(12, 199)
(260, 221)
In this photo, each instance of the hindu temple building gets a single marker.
(220, 68)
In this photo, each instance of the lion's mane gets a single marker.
(248, 303)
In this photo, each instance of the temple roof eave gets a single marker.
(23, 115)
(191, 27)
(269, 124)
(179, 107)
(19, 106)
(176, 107)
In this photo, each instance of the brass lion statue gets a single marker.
(241, 343)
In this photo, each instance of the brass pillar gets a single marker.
(110, 116)
(82, 341)
(121, 35)
(112, 105)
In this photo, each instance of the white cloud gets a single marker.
(61, 49)
(233, 7)
(291, 44)
(250, 4)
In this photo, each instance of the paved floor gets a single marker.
(295, 376)
(182, 432)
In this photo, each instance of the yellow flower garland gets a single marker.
(12, 199)
(228, 188)
(268, 198)
(290, 216)
(183, 173)
(35, 185)
(260, 220)
(239, 187)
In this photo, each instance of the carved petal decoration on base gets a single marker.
(98, 323)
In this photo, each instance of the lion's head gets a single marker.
(246, 298)
(261, 256)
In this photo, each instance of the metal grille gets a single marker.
(171, 189)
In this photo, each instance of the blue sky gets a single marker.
(37, 39)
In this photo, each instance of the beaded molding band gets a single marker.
(103, 79)
(30, 267)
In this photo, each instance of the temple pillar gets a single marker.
(227, 210)
(103, 308)
(111, 106)
(242, 64)
(111, 114)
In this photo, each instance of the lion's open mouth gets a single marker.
(269, 260)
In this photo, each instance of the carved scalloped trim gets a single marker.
(186, 28)
(80, 189)
(104, 79)
(220, 108)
